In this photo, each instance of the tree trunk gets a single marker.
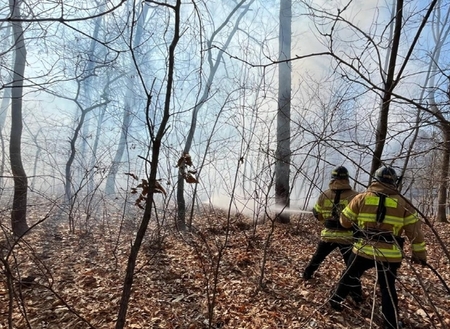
(88, 85)
(213, 67)
(129, 102)
(6, 97)
(441, 31)
(19, 209)
(113, 170)
(389, 84)
(73, 151)
(156, 145)
(283, 153)
(93, 163)
(443, 186)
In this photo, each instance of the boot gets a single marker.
(335, 305)
(307, 274)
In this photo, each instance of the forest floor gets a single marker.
(75, 280)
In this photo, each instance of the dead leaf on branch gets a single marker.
(144, 185)
(185, 160)
(190, 179)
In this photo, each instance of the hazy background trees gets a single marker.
(264, 96)
(90, 109)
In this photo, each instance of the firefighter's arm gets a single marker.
(415, 235)
(317, 210)
(349, 214)
(345, 218)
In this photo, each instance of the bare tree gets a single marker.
(441, 31)
(283, 153)
(389, 85)
(356, 66)
(129, 97)
(157, 134)
(19, 209)
(213, 65)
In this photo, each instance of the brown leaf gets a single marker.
(160, 189)
(190, 179)
(180, 161)
(188, 159)
(185, 160)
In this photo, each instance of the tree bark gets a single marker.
(283, 152)
(389, 84)
(19, 209)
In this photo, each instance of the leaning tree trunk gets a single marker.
(129, 104)
(389, 84)
(110, 186)
(156, 146)
(19, 209)
(213, 68)
(68, 188)
(283, 153)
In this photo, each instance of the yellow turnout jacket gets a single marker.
(324, 207)
(382, 241)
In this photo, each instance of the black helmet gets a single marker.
(339, 173)
(386, 175)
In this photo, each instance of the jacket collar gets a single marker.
(339, 184)
(377, 187)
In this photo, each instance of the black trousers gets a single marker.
(323, 250)
(386, 276)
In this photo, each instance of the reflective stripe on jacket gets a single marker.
(400, 218)
(338, 236)
(324, 207)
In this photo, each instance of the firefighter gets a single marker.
(380, 215)
(327, 211)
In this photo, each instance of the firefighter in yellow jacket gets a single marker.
(327, 211)
(380, 215)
